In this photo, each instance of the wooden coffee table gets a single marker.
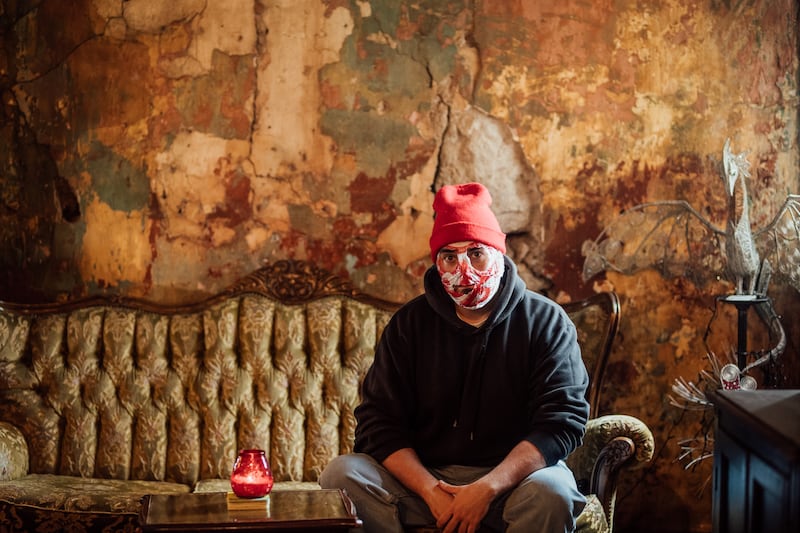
(289, 510)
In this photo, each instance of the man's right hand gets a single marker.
(439, 502)
(404, 464)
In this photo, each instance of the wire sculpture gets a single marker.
(674, 238)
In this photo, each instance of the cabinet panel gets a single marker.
(756, 461)
(769, 497)
(730, 485)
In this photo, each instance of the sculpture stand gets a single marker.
(743, 303)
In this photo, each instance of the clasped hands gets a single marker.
(459, 508)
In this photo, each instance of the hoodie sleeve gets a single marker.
(559, 409)
(386, 400)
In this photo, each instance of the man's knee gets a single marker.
(547, 497)
(369, 487)
(548, 492)
(340, 471)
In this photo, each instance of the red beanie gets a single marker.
(462, 213)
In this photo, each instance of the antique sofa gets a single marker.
(105, 400)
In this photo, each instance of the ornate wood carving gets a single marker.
(294, 282)
(616, 453)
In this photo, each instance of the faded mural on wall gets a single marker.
(163, 148)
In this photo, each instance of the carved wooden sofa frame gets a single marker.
(103, 400)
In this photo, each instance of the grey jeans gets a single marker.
(546, 501)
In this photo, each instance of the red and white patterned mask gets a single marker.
(470, 272)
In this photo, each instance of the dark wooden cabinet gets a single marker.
(756, 461)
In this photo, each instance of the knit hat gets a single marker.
(462, 213)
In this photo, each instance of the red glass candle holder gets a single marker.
(251, 476)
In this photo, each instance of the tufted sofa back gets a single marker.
(125, 389)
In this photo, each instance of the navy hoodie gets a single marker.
(460, 395)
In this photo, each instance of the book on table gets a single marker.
(235, 503)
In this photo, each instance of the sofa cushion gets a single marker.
(46, 502)
(69, 493)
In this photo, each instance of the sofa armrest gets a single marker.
(13, 453)
(612, 443)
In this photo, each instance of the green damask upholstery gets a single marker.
(13, 453)
(593, 517)
(74, 494)
(105, 400)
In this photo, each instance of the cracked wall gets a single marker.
(163, 148)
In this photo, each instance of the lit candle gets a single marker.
(251, 476)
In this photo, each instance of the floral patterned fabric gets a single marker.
(122, 394)
(36, 519)
(592, 519)
(69, 493)
(111, 402)
(13, 453)
(105, 402)
(601, 430)
(48, 503)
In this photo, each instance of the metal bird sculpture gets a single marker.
(675, 239)
(740, 250)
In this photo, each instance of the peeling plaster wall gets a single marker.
(163, 148)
